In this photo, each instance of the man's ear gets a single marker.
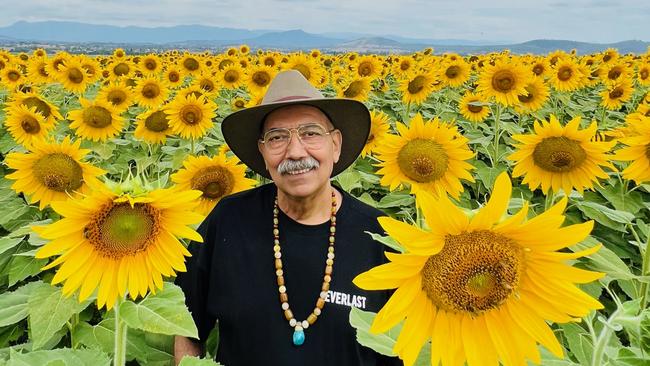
(337, 138)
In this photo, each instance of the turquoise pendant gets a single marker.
(298, 337)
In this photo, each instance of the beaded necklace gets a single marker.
(300, 326)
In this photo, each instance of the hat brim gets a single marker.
(242, 129)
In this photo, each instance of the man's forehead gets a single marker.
(295, 115)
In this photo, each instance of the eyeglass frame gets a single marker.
(327, 132)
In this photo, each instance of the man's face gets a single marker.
(298, 182)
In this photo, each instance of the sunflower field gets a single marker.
(517, 189)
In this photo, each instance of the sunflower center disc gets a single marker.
(58, 172)
(157, 122)
(191, 64)
(643, 74)
(231, 76)
(30, 125)
(150, 91)
(41, 106)
(13, 75)
(119, 230)
(214, 182)
(558, 154)
(616, 93)
(97, 117)
(538, 70)
(416, 85)
(76, 76)
(191, 114)
(423, 160)
(42, 71)
(121, 69)
(116, 97)
(529, 96)
(404, 65)
(150, 65)
(474, 272)
(304, 70)
(474, 108)
(207, 85)
(365, 69)
(613, 74)
(269, 61)
(355, 88)
(564, 73)
(452, 72)
(174, 77)
(261, 78)
(503, 81)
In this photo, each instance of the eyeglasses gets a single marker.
(311, 135)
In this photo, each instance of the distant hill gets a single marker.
(82, 37)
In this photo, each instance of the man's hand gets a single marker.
(185, 347)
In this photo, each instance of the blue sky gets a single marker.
(601, 21)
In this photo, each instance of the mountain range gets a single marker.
(198, 37)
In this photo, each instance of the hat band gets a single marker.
(292, 97)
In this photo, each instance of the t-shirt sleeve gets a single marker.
(195, 283)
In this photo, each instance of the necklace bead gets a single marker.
(299, 326)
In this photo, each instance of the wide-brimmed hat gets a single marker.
(242, 129)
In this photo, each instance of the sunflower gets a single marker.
(643, 74)
(216, 177)
(73, 76)
(417, 88)
(540, 67)
(615, 94)
(454, 73)
(368, 67)
(270, 59)
(614, 72)
(429, 156)
(173, 76)
(505, 81)
(379, 129)
(402, 67)
(356, 89)
(55, 63)
(566, 76)
(92, 67)
(118, 95)
(52, 172)
(96, 120)
(238, 103)
(473, 107)
(481, 288)
(12, 76)
(244, 49)
(153, 126)
(207, 83)
(37, 71)
(119, 53)
(259, 78)
(561, 157)
(190, 64)
(191, 117)
(119, 244)
(121, 69)
(307, 66)
(33, 99)
(150, 92)
(537, 93)
(638, 152)
(26, 125)
(150, 65)
(231, 77)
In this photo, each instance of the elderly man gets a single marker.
(275, 272)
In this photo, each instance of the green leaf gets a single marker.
(49, 311)
(59, 357)
(488, 174)
(102, 336)
(349, 180)
(381, 343)
(579, 341)
(387, 241)
(623, 217)
(604, 260)
(396, 200)
(164, 313)
(22, 267)
(13, 305)
(195, 361)
(621, 200)
(594, 213)
(7, 243)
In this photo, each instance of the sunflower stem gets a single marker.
(121, 329)
(408, 112)
(497, 118)
(192, 145)
(645, 270)
(600, 343)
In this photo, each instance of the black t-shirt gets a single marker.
(231, 277)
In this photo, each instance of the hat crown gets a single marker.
(290, 85)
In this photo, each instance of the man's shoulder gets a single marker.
(244, 201)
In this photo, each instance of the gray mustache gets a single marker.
(290, 165)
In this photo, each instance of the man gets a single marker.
(276, 267)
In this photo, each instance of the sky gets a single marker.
(599, 21)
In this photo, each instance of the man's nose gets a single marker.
(295, 148)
